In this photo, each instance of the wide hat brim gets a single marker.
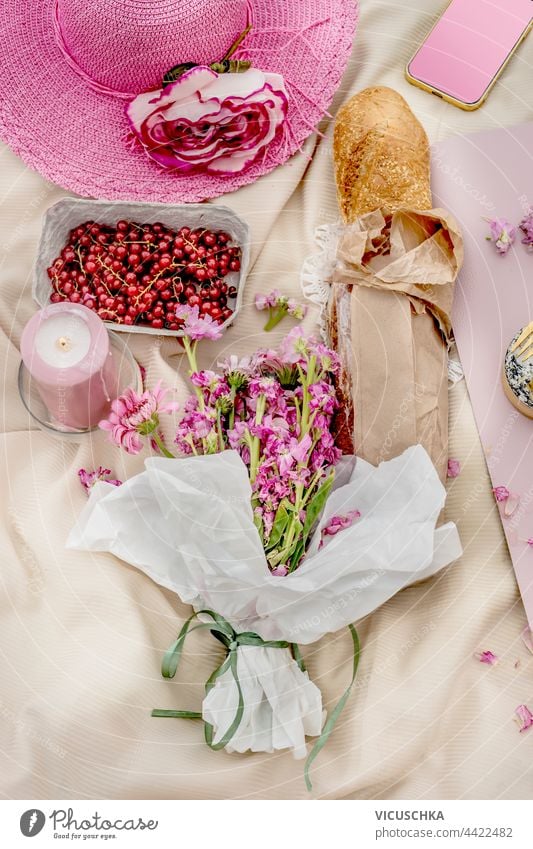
(76, 137)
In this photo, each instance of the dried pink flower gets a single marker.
(525, 716)
(502, 233)
(526, 226)
(501, 493)
(88, 479)
(486, 657)
(133, 415)
(454, 468)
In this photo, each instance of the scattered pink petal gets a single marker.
(454, 468)
(486, 657)
(501, 493)
(338, 523)
(88, 479)
(525, 716)
(511, 504)
(527, 638)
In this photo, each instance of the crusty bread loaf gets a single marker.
(381, 159)
(381, 155)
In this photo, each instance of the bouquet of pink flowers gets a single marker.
(262, 526)
(275, 409)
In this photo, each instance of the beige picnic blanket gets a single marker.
(81, 635)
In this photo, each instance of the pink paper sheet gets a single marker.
(490, 174)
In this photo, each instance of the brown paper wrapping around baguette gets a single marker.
(389, 318)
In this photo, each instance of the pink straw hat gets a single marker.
(71, 68)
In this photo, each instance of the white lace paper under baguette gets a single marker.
(317, 271)
(188, 524)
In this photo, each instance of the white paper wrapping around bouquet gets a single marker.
(281, 704)
(188, 524)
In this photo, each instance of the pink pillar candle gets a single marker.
(66, 349)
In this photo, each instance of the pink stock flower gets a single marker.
(526, 226)
(454, 468)
(88, 479)
(197, 326)
(323, 397)
(218, 123)
(524, 716)
(273, 299)
(204, 379)
(296, 310)
(502, 233)
(338, 523)
(295, 347)
(264, 386)
(296, 452)
(501, 493)
(133, 415)
(486, 657)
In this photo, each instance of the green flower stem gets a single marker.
(306, 380)
(233, 395)
(284, 550)
(256, 443)
(314, 480)
(190, 350)
(275, 315)
(160, 444)
(221, 444)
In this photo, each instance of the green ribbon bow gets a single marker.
(225, 633)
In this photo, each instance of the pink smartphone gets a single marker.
(469, 47)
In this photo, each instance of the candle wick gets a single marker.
(64, 343)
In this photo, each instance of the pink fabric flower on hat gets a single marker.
(133, 415)
(219, 123)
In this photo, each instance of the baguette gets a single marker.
(381, 161)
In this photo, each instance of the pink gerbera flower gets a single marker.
(133, 416)
(197, 326)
